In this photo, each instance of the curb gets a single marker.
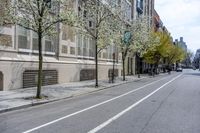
(70, 96)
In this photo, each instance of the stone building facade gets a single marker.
(69, 59)
(74, 60)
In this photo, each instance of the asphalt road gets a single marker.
(164, 104)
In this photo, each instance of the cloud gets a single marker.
(182, 18)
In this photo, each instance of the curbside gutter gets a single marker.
(35, 103)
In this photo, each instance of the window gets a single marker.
(64, 32)
(116, 54)
(85, 46)
(22, 41)
(79, 51)
(48, 46)
(91, 48)
(35, 41)
(68, 33)
(109, 52)
(71, 35)
(35, 44)
(105, 55)
(99, 54)
(72, 50)
(23, 35)
(79, 44)
(140, 6)
(64, 49)
(5, 40)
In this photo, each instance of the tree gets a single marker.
(141, 39)
(133, 38)
(169, 52)
(122, 40)
(125, 46)
(153, 54)
(99, 21)
(41, 17)
(3, 12)
(174, 54)
(164, 51)
(3, 21)
(139, 31)
(156, 53)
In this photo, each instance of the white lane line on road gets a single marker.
(129, 108)
(91, 107)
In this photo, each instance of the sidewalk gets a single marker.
(21, 98)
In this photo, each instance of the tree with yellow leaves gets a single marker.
(163, 51)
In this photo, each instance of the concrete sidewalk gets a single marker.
(21, 98)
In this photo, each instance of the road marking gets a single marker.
(91, 107)
(129, 108)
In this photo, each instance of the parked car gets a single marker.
(179, 69)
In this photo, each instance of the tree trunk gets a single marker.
(153, 74)
(151, 70)
(138, 67)
(39, 83)
(96, 63)
(113, 71)
(96, 47)
(123, 63)
(157, 69)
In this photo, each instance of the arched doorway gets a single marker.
(1, 81)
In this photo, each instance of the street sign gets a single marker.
(127, 37)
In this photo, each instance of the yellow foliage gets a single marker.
(163, 49)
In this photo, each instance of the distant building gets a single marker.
(182, 44)
(197, 55)
(176, 42)
(157, 22)
(196, 61)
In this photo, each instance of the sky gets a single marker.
(182, 19)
